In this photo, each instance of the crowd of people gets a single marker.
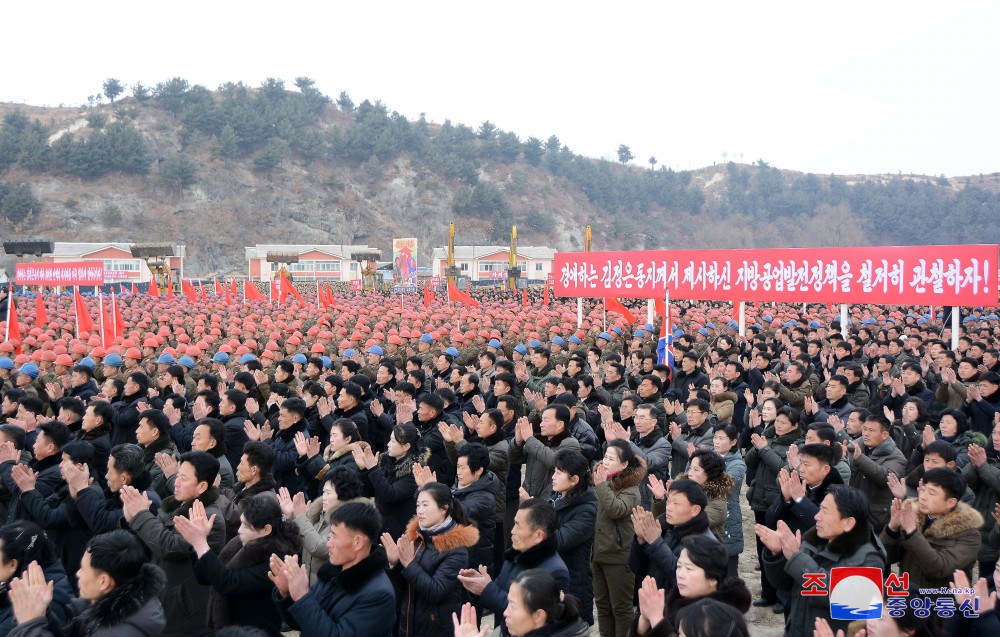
(372, 468)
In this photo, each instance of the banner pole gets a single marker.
(956, 315)
(743, 318)
(843, 320)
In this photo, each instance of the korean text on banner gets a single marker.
(84, 273)
(950, 275)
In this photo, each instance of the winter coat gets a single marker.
(655, 450)
(285, 457)
(100, 438)
(543, 555)
(733, 538)
(701, 438)
(163, 444)
(800, 516)
(314, 529)
(658, 559)
(241, 591)
(479, 505)
(723, 406)
(185, 601)
(960, 443)
(795, 394)
(933, 553)
(718, 492)
(574, 628)
(857, 547)
(953, 395)
(616, 497)
(870, 473)
(314, 469)
(131, 609)
(539, 457)
(48, 482)
(432, 440)
(101, 513)
(356, 602)
(576, 519)
(231, 499)
(61, 521)
(767, 462)
(917, 390)
(429, 588)
(395, 491)
(981, 413)
(58, 612)
(584, 433)
(499, 464)
(126, 419)
(985, 483)
(236, 436)
(684, 383)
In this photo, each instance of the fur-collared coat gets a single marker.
(932, 554)
(428, 587)
(616, 497)
(718, 492)
(538, 454)
(131, 609)
(731, 592)
(392, 485)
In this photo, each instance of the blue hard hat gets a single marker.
(29, 369)
(617, 330)
(969, 319)
(758, 326)
(451, 351)
(375, 349)
(767, 318)
(710, 326)
(557, 340)
(678, 333)
(300, 359)
(327, 363)
(574, 339)
(648, 327)
(921, 321)
(733, 325)
(349, 352)
(791, 324)
(638, 334)
(815, 324)
(114, 360)
(222, 357)
(185, 361)
(521, 349)
(166, 359)
(605, 336)
(535, 343)
(246, 358)
(87, 361)
(703, 331)
(427, 338)
(6, 363)
(992, 317)
(495, 343)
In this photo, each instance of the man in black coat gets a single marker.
(51, 437)
(233, 414)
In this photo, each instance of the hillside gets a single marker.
(219, 170)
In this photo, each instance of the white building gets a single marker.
(322, 262)
(480, 263)
(119, 264)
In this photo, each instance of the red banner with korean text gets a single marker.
(61, 274)
(915, 275)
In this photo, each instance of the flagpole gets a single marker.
(605, 319)
(100, 309)
(10, 302)
(76, 308)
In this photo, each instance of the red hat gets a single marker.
(294, 340)
(133, 353)
(395, 340)
(65, 360)
(80, 348)
(317, 349)
(47, 355)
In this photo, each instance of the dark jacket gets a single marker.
(655, 450)
(61, 521)
(731, 592)
(857, 547)
(539, 456)
(576, 520)
(616, 497)
(737, 470)
(429, 588)
(236, 437)
(185, 601)
(357, 602)
(100, 439)
(392, 485)
(479, 505)
(241, 590)
(48, 482)
(658, 559)
(767, 462)
(58, 613)
(103, 513)
(285, 458)
(131, 609)
(800, 516)
(431, 439)
(543, 555)
(126, 419)
(230, 500)
(985, 484)
(870, 473)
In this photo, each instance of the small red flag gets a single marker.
(545, 296)
(329, 296)
(41, 316)
(253, 294)
(218, 288)
(288, 288)
(614, 305)
(204, 297)
(84, 321)
(134, 290)
(428, 295)
(13, 327)
(321, 295)
(154, 290)
(189, 291)
(170, 289)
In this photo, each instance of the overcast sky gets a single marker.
(844, 87)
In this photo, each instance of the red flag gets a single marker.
(545, 296)
(660, 307)
(321, 295)
(275, 290)
(428, 295)
(41, 316)
(154, 290)
(134, 290)
(287, 288)
(829, 308)
(13, 327)
(107, 329)
(329, 296)
(218, 288)
(524, 298)
(454, 294)
(204, 297)
(234, 291)
(225, 290)
(170, 289)
(253, 294)
(614, 305)
(117, 316)
(84, 322)
(189, 292)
